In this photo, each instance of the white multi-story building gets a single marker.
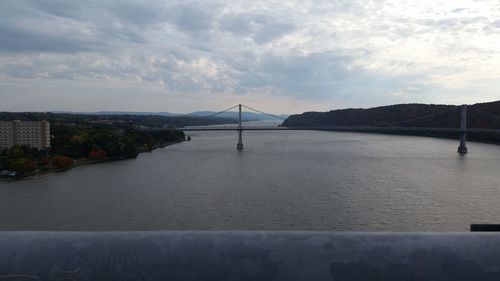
(31, 133)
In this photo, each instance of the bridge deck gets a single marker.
(338, 128)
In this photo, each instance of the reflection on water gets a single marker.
(282, 180)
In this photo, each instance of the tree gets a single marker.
(496, 123)
(62, 162)
(77, 139)
(148, 147)
(29, 166)
(15, 152)
(129, 150)
(97, 154)
(44, 161)
(17, 165)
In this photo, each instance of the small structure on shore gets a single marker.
(7, 173)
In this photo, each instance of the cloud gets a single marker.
(354, 53)
(261, 28)
(192, 17)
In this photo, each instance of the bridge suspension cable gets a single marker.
(220, 112)
(262, 112)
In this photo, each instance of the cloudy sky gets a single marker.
(278, 56)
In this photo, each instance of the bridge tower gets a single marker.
(239, 146)
(462, 149)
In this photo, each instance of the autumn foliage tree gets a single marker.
(97, 154)
(29, 165)
(44, 161)
(23, 165)
(62, 162)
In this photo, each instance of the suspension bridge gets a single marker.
(275, 124)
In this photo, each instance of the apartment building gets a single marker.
(31, 133)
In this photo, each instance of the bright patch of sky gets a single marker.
(279, 56)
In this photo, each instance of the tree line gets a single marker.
(85, 142)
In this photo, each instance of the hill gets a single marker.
(481, 115)
(117, 113)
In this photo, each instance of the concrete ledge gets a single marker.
(248, 256)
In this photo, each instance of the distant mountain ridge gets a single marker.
(118, 113)
(481, 115)
(123, 119)
(246, 116)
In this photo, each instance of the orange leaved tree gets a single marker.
(62, 162)
(97, 154)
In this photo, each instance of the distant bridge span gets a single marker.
(335, 128)
(240, 127)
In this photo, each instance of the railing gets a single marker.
(248, 256)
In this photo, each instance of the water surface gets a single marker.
(283, 180)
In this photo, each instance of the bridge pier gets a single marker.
(462, 149)
(239, 146)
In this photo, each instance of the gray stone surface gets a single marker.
(248, 256)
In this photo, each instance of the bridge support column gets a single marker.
(239, 146)
(462, 149)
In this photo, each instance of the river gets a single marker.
(282, 180)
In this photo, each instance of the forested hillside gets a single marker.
(481, 115)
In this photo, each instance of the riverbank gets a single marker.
(82, 162)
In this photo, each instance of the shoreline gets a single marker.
(82, 162)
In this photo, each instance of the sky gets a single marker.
(277, 56)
